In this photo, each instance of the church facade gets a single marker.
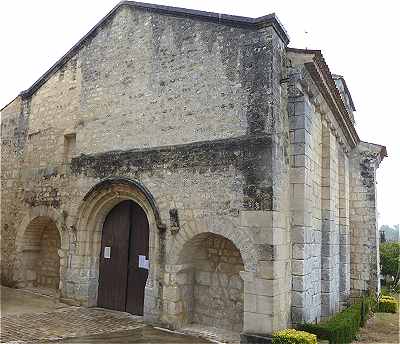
(192, 168)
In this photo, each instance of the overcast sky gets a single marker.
(359, 40)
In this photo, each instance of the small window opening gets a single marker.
(69, 146)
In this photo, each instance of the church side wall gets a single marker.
(319, 203)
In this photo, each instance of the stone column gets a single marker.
(305, 203)
(364, 250)
(344, 227)
(330, 234)
(300, 178)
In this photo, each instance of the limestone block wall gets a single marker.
(10, 184)
(32, 158)
(167, 80)
(48, 267)
(319, 203)
(330, 262)
(206, 183)
(211, 287)
(344, 228)
(37, 254)
(194, 111)
(364, 250)
(218, 292)
(143, 80)
(305, 181)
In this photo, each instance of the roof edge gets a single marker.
(59, 63)
(342, 110)
(11, 101)
(346, 89)
(334, 101)
(303, 51)
(319, 71)
(225, 19)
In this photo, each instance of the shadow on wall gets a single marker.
(39, 258)
(210, 287)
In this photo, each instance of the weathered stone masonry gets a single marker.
(242, 153)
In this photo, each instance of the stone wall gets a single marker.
(205, 183)
(364, 251)
(319, 203)
(218, 291)
(330, 225)
(344, 228)
(48, 263)
(10, 184)
(306, 170)
(190, 109)
(211, 289)
(37, 254)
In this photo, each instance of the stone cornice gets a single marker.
(304, 84)
(217, 153)
(322, 78)
(336, 105)
(378, 151)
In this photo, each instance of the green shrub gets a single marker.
(387, 304)
(343, 326)
(291, 336)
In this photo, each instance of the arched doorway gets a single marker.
(124, 258)
(210, 287)
(40, 254)
(97, 203)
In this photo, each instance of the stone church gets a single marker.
(192, 168)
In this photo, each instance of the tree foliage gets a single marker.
(390, 259)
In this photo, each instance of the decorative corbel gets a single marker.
(63, 222)
(336, 133)
(174, 220)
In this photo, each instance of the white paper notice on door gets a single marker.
(107, 252)
(143, 262)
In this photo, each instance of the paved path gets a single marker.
(145, 334)
(17, 301)
(31, 318)
(84, 325)
(68, 322)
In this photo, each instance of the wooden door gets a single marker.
(114, 258)
(139, 246)
(125, 236)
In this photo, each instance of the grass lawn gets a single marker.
(381, 328)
